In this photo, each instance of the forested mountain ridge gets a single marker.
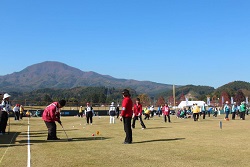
(58, 75)
(50, 80)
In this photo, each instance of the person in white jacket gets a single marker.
(6, 108)
(16, 111)
(89, 113)
(112, 112)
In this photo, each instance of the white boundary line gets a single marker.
(28, 142)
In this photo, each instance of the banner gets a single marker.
(208, 101)
(222, 100)
(186, 100)
(232, 100)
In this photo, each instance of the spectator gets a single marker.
(16, 111)
(112, 112)
(226, 110)
(234, 110)
(242, 110)
(21, 112)
(196, 110)
(89, 113)
(80, 114)
(166, 112)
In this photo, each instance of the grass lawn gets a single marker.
(180, 143)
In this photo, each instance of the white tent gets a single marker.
(190, 103)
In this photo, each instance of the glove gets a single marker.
(60, 122)
(120, 118)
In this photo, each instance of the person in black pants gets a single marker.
(3, 121)
(126, 115)
(51, 114)
(234, 110)
(137, 112)
(16, 111)
(89, 114)
(166, 112)
(204, 111)
(4, 114)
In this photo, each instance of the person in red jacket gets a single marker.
(166, 113)
(51, 114)
(137, 113)
(126, 115)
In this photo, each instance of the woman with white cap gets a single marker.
(112, 110)
(6, 107)
(226, 110)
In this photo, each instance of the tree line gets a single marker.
(105, 95)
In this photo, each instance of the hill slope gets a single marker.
(51, 74)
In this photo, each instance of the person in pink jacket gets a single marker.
(166, 113)
(51, 114)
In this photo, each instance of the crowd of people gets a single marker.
(129, 114)
(196, 111)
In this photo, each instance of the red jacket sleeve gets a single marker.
(127, 106)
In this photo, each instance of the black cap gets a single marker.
(137, 99)
(62, 103)
(125, 91)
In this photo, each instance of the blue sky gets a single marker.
(199, 42)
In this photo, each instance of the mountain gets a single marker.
(232, 87)
(52, 74)
(190, 91)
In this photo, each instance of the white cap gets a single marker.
(112, 103)
(6, 95)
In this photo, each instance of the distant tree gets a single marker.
(47, 98)
(160, 101)
(226, 97)
(171, 101)
(239, 97)
(182, 97)
(95, 98)
(145, 100)
(203, 98)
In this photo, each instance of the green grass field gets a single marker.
(180, 143)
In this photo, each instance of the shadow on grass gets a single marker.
(160, 127)
(12, 145)
(66, 140)
(8, 139)
(158, 140)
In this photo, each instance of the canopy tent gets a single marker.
(190, 103)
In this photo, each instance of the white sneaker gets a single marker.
(142, 128)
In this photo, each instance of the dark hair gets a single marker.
(125, 92)
(62, 103)
(138, 99)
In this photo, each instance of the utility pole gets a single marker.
(174, 94)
